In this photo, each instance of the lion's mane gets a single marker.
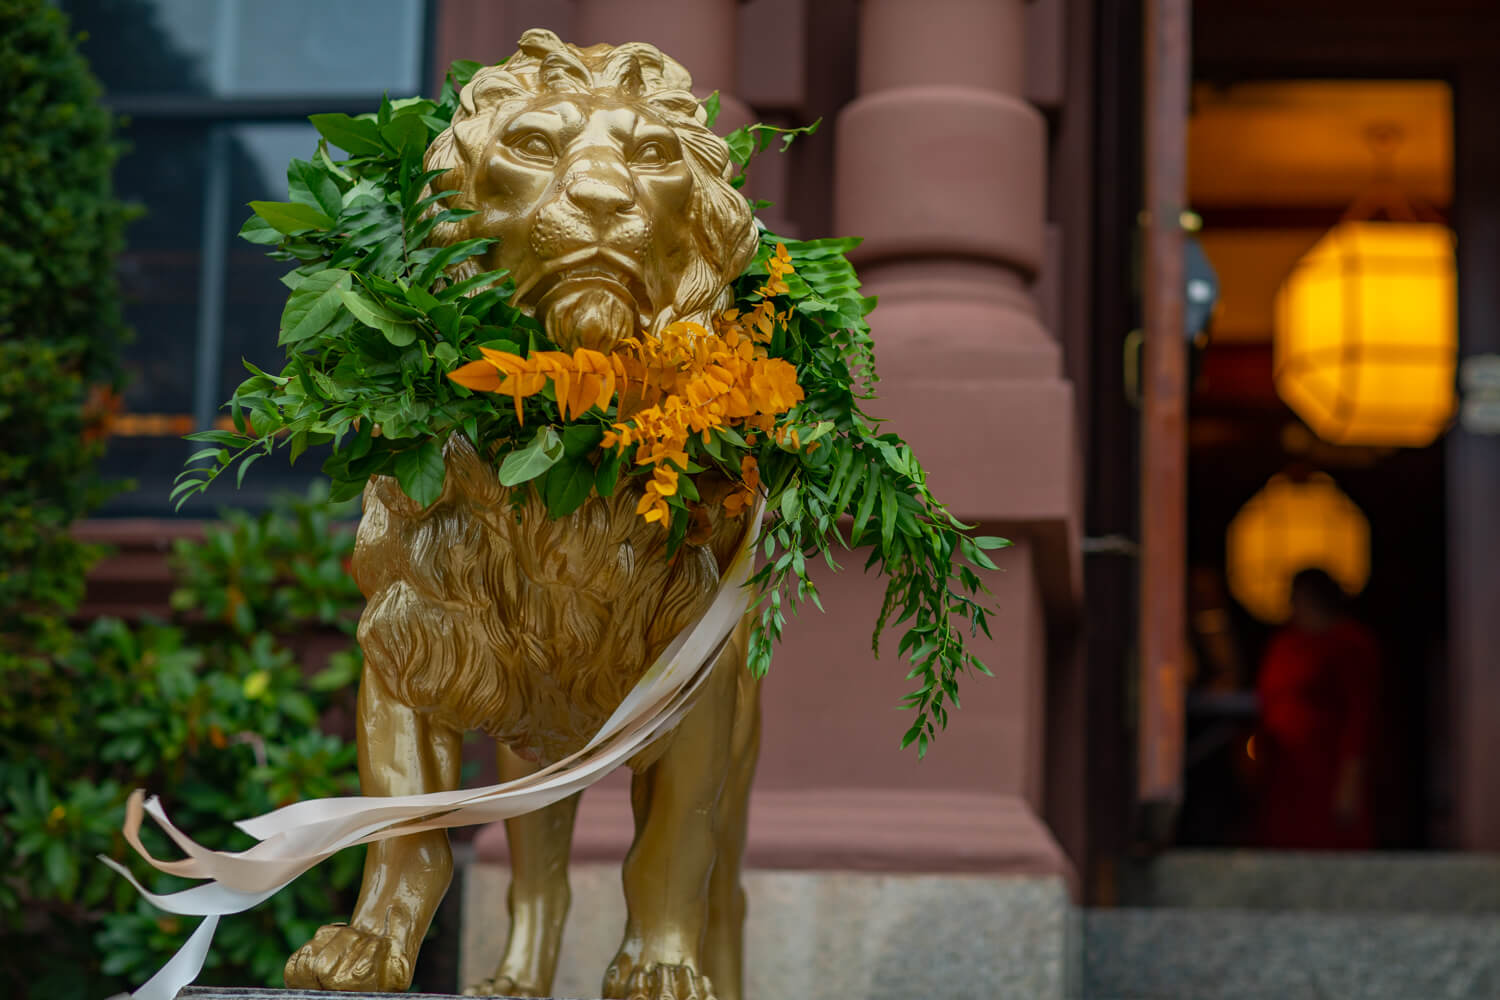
(506, 621)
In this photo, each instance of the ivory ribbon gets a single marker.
(297, 837)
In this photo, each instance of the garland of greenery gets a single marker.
(386, 360)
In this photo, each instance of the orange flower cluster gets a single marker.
(685, 381)
(706, 381)
(695, 382)
(584, 379)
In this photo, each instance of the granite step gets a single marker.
(1221, 954)
(1374, 882)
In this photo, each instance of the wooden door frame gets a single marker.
(1164, 385)
(1111, 500)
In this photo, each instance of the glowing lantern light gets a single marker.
(1367, 334)
(1289, 526)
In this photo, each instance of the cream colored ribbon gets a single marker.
(297, 837)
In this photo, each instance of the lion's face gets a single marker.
(608, 194)
(589, 199)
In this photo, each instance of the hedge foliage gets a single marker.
(60, 319)
(214, 710)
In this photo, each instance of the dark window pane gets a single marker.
(254, 295)
(147, 46)
(152, 463)
(162, 266)
(292, 47)
(172, 292)
(201, 301)
(253, 48)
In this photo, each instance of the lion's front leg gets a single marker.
(668, 868)
(401, 752)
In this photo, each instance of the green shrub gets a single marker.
(214, 713)
(60, 321)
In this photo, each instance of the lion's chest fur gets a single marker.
(492, 616)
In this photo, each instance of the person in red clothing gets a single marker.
(1317, 690)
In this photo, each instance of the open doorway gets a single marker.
(1274, 167)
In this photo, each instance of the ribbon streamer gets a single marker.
(297, 837)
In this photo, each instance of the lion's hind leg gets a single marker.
(723, 947)
(669, 871)
(539, 897)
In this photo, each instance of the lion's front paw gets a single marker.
(656, 981)
(340, 957)
(504, 986)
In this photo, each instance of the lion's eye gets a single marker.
(651, 154)
(534, 145)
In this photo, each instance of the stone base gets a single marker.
(828, 935)
(257, 993)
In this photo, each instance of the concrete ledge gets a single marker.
(831, 935)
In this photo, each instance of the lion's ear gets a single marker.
(722, 218)
(744, 248)
(451, 152)
(446, 154)
(729, 229)
(728, 239)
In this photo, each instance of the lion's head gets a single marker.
(608, 192)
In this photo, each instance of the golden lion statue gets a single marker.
(611, 201)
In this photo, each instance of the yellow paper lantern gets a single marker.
(1290, 526)
(1366, 334)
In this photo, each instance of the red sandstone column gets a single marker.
(941, 167)
(487, 30)
(700, 34)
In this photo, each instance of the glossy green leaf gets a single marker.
(608, 473)
(421, 471)
(568, 485)
(313, 305)
(398, 332)
(580, 440)
(313, 184)
(544, 451)
(290, 217)
(404, 133)
(357, 136)
(258, 231)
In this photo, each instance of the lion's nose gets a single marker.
(599, 197)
